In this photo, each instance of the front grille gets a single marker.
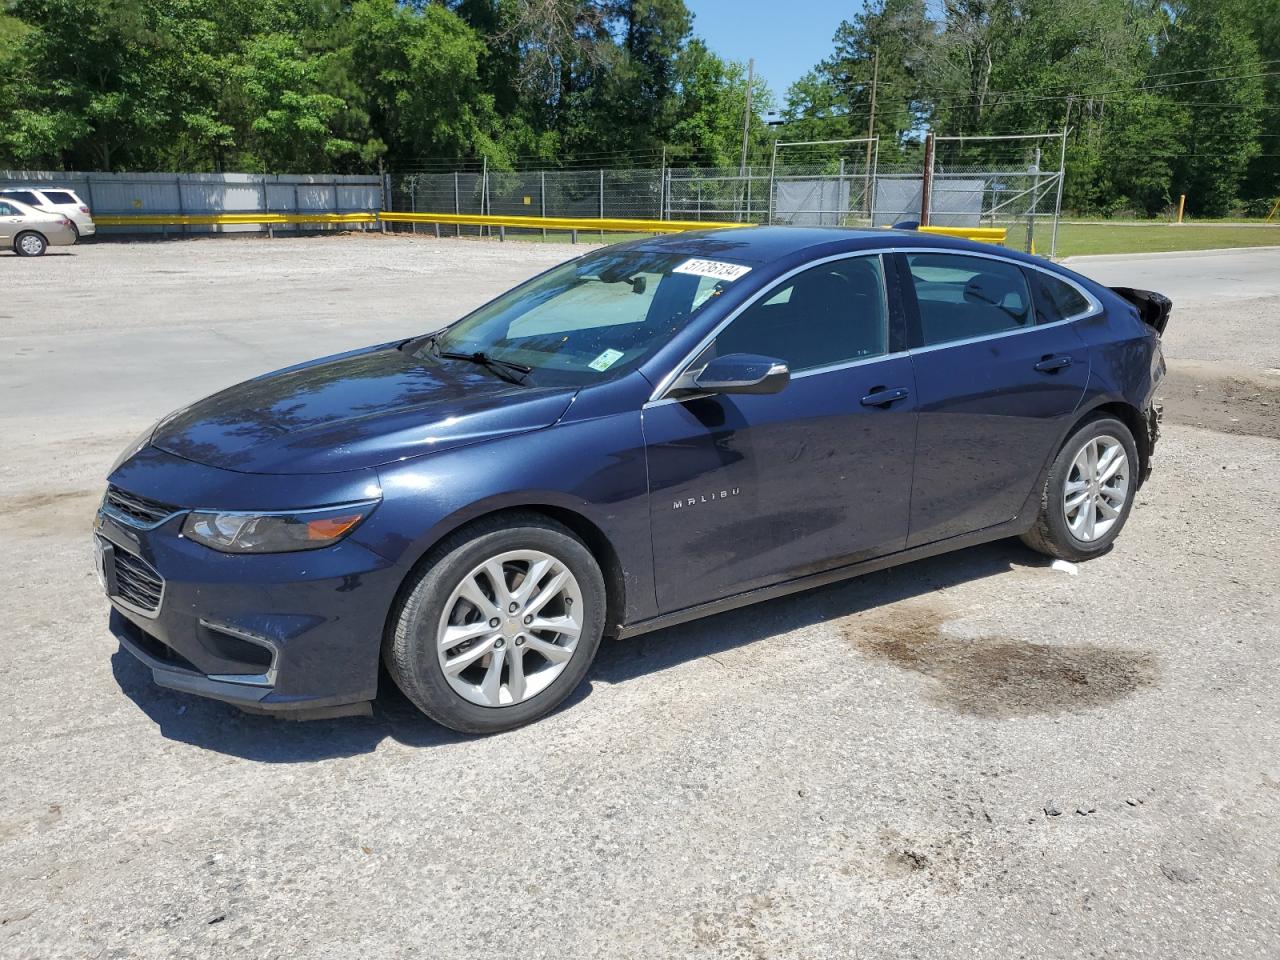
(142, 509)
(137, 582)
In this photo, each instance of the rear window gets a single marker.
(61, 196)
(962, 297)
(1055, 299)
(22, 196)
(9, 210)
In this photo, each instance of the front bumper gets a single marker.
(293, 633)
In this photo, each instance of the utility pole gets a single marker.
(746, 118)
(871, 127)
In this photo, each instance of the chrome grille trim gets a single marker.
(139, 586)
(136, 511)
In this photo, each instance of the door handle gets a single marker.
(1052, 364)
(883, 396)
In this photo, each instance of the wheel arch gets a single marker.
(1132, 418)
(24, 231)
(583, 527)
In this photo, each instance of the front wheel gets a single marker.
(500, 626)
(1088, 493)
(29, 244)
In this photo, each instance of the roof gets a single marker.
(766, 244)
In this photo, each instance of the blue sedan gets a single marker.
(648, 434)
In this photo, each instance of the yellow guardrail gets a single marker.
(216, 219)
(996, 235)
(984, 234)
(611, 224)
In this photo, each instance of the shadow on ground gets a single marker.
(219, 727)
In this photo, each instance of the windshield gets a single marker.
(592, 319)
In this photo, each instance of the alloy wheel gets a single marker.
(31, 245)
(1097, 487)
(509, 628)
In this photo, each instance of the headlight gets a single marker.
(261, 532)
(138, 442)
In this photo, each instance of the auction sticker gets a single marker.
(605, 360)
(713, 268)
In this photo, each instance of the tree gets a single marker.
(1214, 58)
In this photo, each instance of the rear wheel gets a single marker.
(1088, 493)
(29, 244)
(500, 626)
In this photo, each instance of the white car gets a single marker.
(55, 200)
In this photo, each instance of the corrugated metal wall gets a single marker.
(160, 193)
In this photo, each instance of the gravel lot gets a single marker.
(974, 756)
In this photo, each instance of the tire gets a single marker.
(436, 600)
(30, 244)
(1088, 530)
(76, 231)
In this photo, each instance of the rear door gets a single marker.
(749, 490)
(11, 218)
(997, 377)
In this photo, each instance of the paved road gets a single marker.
(860, 771)
(1224, 300)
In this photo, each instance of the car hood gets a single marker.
(354, 410)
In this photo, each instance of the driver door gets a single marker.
(749, 490)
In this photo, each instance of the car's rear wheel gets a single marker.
(29, 244)
(1088, 493)
(500, 625)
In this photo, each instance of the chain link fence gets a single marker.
(1011, 182)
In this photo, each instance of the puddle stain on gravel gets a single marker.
(1000, 677)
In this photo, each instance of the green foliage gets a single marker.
(1163, 97)
(1141, 84)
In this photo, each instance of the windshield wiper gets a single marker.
(506, 369)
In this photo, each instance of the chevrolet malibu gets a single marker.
(647, 434)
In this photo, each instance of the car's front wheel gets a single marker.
(500, 625)
(29, 244)
(1088, 493)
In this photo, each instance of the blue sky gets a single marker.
(786, 38)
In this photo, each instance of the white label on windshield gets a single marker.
(605, 360)
(713, 268)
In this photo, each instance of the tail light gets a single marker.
(83, 208)
(66, 222)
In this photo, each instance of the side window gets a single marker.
(25, 196)
(962, 297)
(8, 211)
(60, 196)
(1055, 299)
(828, 314)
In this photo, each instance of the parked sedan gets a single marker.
(30, 232)
(647, 434)
(64, 202)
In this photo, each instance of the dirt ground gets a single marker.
(973, 756)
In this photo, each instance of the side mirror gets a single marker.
(743, 373)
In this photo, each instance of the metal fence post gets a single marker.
(926, 182)
(602, 203)
(840, 193)
(271, 232)
(773, 167)
(457, 208)
(1057, 205)
(413, 200)
(177, 182)
(297, 207)
(542, 198)
(1031, 210)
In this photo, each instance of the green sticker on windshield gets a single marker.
(605, 360)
